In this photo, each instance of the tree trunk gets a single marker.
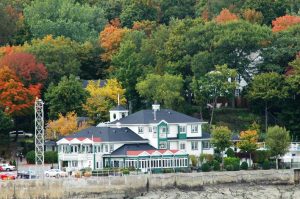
(250, 160)
(266, 116)
(276, 162)
(201, 114)
(212, 112)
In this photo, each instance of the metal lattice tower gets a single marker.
(39, 132)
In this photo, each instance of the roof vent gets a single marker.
(126, 130)
(114, 131)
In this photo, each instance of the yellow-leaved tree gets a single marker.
(64, 125)
(102, 99)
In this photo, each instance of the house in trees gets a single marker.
(165, 129)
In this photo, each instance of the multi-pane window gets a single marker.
(141, 129)
(150, 129)
(194, 145)
(111, 148)
(163, 129)
(182, 129)
(194, 128)
(206, 144)
(163, 145)
(182, 146)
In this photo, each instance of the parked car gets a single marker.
(55, 173)
(20, 134)
(8, 167)
(29, 174)
(7, 176)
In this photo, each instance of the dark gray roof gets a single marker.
(147, 116)
(50, 143)
(119, 108)
(107, 134)
(132, 147)
(86, 82)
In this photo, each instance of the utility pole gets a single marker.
(39, 134)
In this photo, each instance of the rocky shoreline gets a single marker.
(229, 191)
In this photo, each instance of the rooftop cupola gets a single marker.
(118, 112)
(155, 108)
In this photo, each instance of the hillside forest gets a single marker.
(228, 62)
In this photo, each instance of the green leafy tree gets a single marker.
(126, 63)
(165, 89)
(138, 11)
(215, 84)
(221, 139)
(64, 18)
(59, 55)
(282, 48)
(278, 141)
(68, 95)
(267, 87)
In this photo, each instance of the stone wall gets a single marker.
(135, 185)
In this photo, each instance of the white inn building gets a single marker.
(146, 140)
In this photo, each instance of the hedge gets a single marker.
(51, 157)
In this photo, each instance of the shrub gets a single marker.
(30, 157)
(126, 171)
(244, 166)
(194, 160)
(229, 167)
(261, 156)
(218, 158)
(167, 170)
(216, 166)
(230, 153)
(205, 167)
(236, 166)
(206, 157)
(231, 161)
(51, 157)
(266, 165)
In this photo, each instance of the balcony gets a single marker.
(294, 146)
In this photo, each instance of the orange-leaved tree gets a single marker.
(284, 22)
(64, 126)
(248, 141)
(226, 16)
(145, 25)
(15, 98)
(110, 39)
(26, 67)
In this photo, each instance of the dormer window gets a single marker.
(123, 115)
(115, 116)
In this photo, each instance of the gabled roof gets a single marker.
(86, 82)
(105, 134)
(147, 117)
(132, 147)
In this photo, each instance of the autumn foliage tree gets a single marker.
(103, 98)
(110, 39)
(226, 16)
(284, 22)
(248, 141)
(26, 67)
(15, 98)
(253, 16)
(64, 125)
